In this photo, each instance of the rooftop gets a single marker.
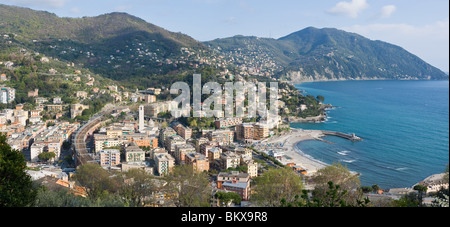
(164, 157)
(233, 174)
(242, 185)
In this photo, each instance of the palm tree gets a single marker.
(421, 190)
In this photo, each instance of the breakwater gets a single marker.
(351, 137)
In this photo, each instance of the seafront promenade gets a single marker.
(288, 141)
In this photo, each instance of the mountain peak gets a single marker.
(121, 16)
(333, 54)
(313, 53)
(313, 32)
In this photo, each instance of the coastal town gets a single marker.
(126, 137)
(88, 115)
(137, 134)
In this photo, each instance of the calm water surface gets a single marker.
(405, 126)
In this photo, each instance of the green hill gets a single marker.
(126, 48)
(128, 45)
(330, 54)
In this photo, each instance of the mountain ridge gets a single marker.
(75, 28)
(119, 46)
(331, 54)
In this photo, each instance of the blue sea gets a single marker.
(404, 124)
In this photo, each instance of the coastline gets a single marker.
(294, 152)
(321, 118)
(312, 80)
(289, 143)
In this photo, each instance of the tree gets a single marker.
(367, 189)
(189, 187)
(69, 160)
(376, 188)
(339, 175)
(441, 198)
(96, 180)
(446, 175)
(421, 190)
(227, 197)
(320, 98)
(408, 200)
(136, 185)
(64, 198)
(275, 185)
(164, 125)
(59, 198)
(46, 156)
(193, 124)
(66, 145)
(16, 188)
(333, 197)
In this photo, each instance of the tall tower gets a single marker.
(141, 118)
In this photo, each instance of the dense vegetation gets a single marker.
(139, 50)
(16, 188)
(328, 53)
(133, 47)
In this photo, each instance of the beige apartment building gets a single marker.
(134, 154)
(214, 154)
(245, 132)
(171, 142)
(198, 161)
(261, 131)
(256, 131)
(227, 122)
(183, 131)
(229, 160)
(109, 157)
(252, 168)
(164, 163)
(181, 151)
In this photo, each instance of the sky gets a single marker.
(419, 26)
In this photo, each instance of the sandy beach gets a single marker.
(288, 143)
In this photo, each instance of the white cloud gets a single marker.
(387, 11)
(350, 9)
(75, 10)
(40, 3)
(230, 20)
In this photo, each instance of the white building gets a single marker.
(100, 144)
(7, 95)
(229, 160)
(35, 120)
(164, 162)
(134, 154)
(57, 100)
(55, 147)
(35, 150)
(22, 119)
(9, 114)
(109, 157)
(141, 119)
